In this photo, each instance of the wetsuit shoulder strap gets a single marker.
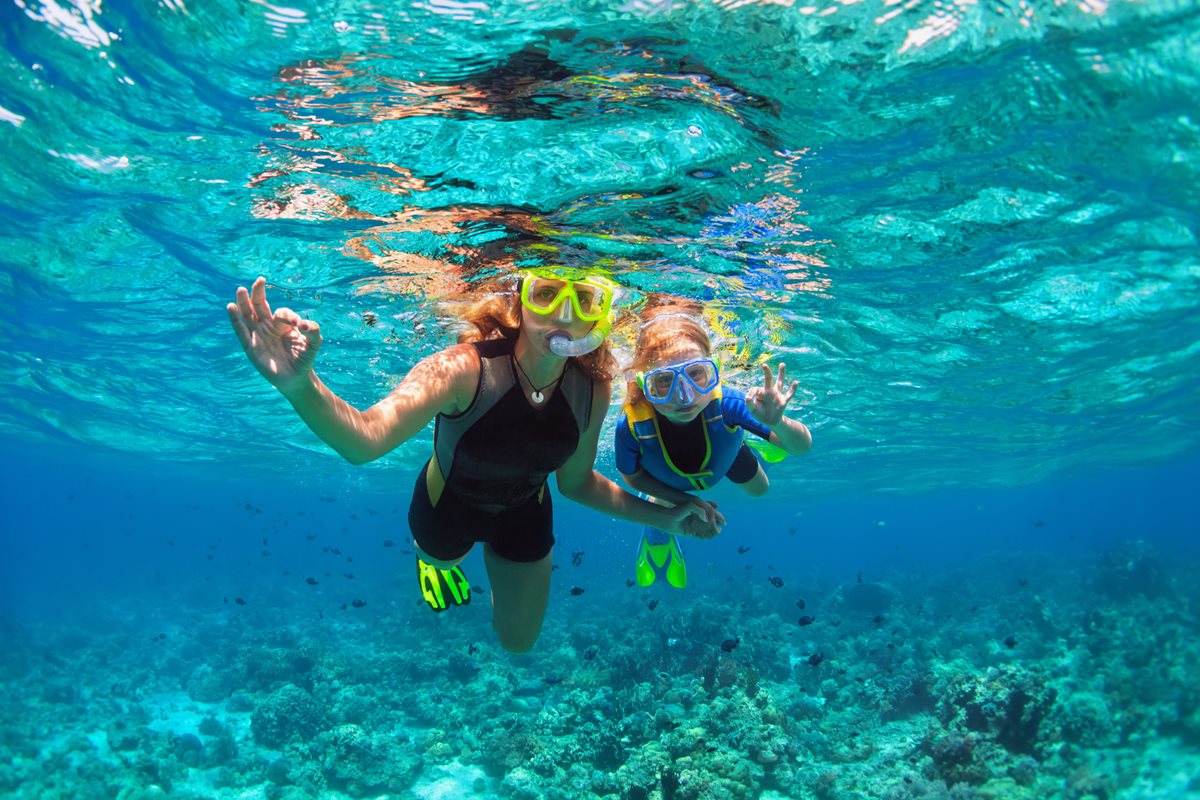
(577, 391)
(495, 379)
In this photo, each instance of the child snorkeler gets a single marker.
(683, 430)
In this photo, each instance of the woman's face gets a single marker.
(685, 403)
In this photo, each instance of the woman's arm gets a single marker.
(441, 383)
(283, 347)
(579, 481)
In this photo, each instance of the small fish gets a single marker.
(728, 645)
(576, 591)
(1010, 641)
(878, 619)
(860, 577)
(336, 551)
(806, 620)
(589, 654)
(577, 558)
(171, 542)
(311, 536)
(348, 576)
(311, 581)
(477, 589)
(358, 603)
(472, 649)
(743, 549)
(1022, 581)
(1039, 524)
(239, 601)
(388, 543)
(264, 541)
(551, 680)
(800, 604)
(629, 583)
(321, 615)
(369, 319)
(653, 604)
(776, 581)
(815, 659)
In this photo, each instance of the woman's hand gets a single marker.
(281, 346)
(767, 402)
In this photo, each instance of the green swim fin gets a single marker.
(660, 559)
(770, 453)
(443, 588)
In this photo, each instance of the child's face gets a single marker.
(685, 403)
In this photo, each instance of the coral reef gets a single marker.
(1084, 690)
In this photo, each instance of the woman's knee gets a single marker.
(515, 640)
(438, 562)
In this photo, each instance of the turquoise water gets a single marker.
(969, 230)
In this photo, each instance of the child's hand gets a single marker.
(696, 526)
(767, 402)
(699, 518)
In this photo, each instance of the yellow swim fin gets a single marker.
(660, 559)
(443, 588)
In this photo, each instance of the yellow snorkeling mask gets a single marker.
(545, 290)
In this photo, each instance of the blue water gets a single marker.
(968, 230)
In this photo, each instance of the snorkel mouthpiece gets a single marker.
(562, 344)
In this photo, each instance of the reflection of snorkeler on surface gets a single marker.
(683, 429)
(528, 84)
(524, 394)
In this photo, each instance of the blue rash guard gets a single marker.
(714, 441)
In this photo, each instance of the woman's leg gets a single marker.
(520, 596)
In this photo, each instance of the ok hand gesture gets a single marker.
(281, 346)
(767, 402)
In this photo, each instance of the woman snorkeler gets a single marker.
(683, 430)
(522, 395)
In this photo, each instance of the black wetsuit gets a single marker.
(495, 457)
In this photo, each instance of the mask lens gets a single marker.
(593, 300)
(542, 294)
(703, 374)
(658, 384)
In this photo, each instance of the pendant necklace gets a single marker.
(535, 394)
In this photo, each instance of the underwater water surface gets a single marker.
(968, 229)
